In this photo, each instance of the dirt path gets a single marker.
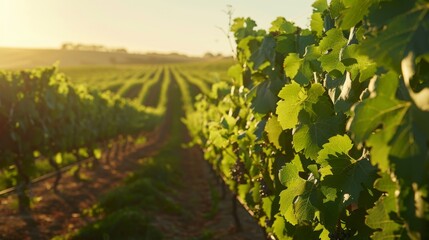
(207, 213)
(208, 207)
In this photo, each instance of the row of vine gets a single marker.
(42, 115)
(323, 133)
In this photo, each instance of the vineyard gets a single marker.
(315, 133)
(323, 133)
(133, 129)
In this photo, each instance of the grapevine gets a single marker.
(42, 114)
(340, 111)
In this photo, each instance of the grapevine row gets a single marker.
(42, 114)
(323, 133)
(148, 84)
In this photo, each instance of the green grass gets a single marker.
(215, 199)
(126, 212)
(127, 224)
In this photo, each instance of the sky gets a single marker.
(183, 26)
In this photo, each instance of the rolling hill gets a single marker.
(13, 58)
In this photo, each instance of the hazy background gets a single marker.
(183, 26)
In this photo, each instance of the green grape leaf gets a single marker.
(336, 7)
(279, 227)
(216, 138)
(292, 64)
(359, 65)
(243, 27)
(286, 43)
(334, 40)
(399, 33)
(409, 149)
(329, 193)
(243, 191)
(316, 23)
(330, 213)
(305, 39)
(354, 12)
(236, 73)
(288, 175)
(379, 217)
(337, 147)
(287, 200)
(297, 69)
(379, 140)
(274, 130)
(342, 172)
(383, 112)
(312, 112)
(228, 122)
(303, 205)
(265, 53)
(296, 203)
(289, 108)
(313, 132)
(281, 25)
(330, 62)
(373, 112)
(296, 98)
(282, 229)
(246, 47)
(320, 5)
(264, 100)
(270, 206)
(397, 140)
(312, 53)
(330, 47)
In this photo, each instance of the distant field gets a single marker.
(119, 78)
(13, 58)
